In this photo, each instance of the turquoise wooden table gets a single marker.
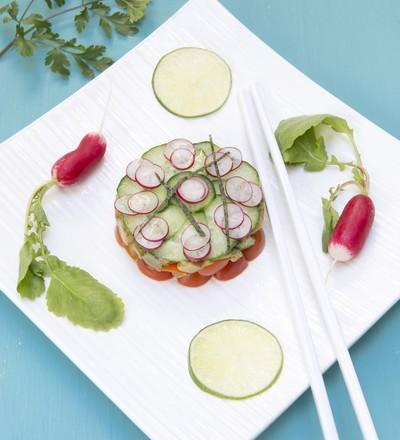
(350, 48)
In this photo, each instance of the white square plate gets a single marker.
(141, 366)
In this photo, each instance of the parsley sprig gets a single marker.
(34, 31)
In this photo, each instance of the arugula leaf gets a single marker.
(81, 20)
(75, 294)
(72, 292)
(308, 150)
(331, 216)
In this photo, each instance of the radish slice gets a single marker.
(241, 231)
(256, 197)
(235, 154)
(182, 159)
(147, 244)
(192, 240)
(143, 202)
(193, 190)
(235, 216)
(224, 165)
(149, 175)
(238, 189)
(178, 144)
(122, 205)
(198, 254)
(155, 229)
(132, 168)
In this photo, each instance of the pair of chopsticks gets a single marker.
(251, 103)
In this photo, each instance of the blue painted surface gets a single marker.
(351, 48)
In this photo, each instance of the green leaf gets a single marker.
(307, 150)
(13, 9)
(81, 20)
(49, 3)
(358, 177)
(38, 21)
(105, 25)
(31, 286)
(334, 161)
(135, 9)
(331, 216)
(290, 129)
(86, 71)
(4, 8)
(78, 296)
(24, 47)
(122, 24)
(58, 62)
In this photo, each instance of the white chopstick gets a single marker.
(297, 309)
(317, 279)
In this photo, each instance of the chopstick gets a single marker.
(317, 280)
(297, 309)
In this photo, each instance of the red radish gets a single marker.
(149, 175)
(122, 205)
(193, 190)
(72, 166)
(142, 241)
(155, 229)
(224, 165)
(235, 216)
(178, 144)
(198, 254)
(143, 202)
(241, 231)
(192, 240)
(351, 230)
(238, 189)
(235, 155)
(255, 198)
(182, 159)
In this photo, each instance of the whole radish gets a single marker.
(72, 166)
(351, 231)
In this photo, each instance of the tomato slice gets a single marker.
(193, 280)
(254, 251)
(213, 268)
(154, 274)
(232, 270)
(118, 237)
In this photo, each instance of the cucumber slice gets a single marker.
(235, 359)
(246, 171)
(191, 82)
(127, 186)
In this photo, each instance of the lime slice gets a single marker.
(235, 359)
(191, 82)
